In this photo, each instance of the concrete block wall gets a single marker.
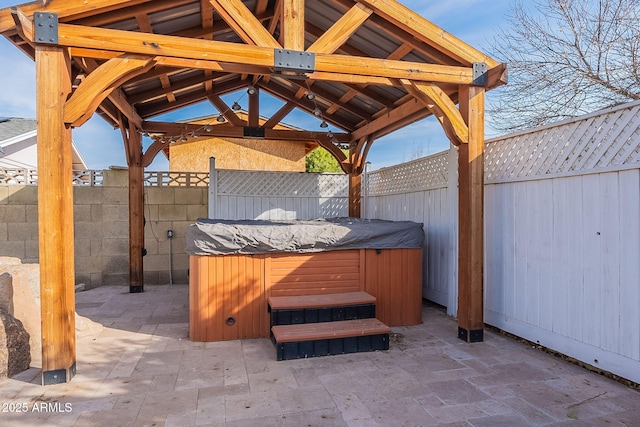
(101, 216)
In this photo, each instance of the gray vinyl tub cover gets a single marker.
(225, 237)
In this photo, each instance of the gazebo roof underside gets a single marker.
(371, 57)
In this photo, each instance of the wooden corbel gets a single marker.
(442, 107)
(100, 83)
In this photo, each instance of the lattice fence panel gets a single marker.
(417, 175)
(18, 176)
(282, 184)
(176, 179)
(90, 178)
(600, 141)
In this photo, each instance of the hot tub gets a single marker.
(235, 266)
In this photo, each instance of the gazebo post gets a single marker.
(133, 144)
(55, 216)
(471, 217)
(355, 192)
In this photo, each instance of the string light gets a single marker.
(220, 118)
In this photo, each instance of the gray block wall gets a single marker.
(101, 219)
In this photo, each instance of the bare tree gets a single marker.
(566, 58)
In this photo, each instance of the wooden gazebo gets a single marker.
(367, 67)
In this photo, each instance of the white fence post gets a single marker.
(213, 187)
(452, 179)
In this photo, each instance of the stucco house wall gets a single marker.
(240, 154)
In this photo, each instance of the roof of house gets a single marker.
(14, 126)
(17, 134)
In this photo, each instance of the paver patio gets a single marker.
(142, 370)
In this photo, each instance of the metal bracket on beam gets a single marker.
(253, 132)
(480, 74)
(46, 27)
(293, 60)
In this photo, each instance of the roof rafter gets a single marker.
(340, 32)
(427, 32)
(244, 23)
(224, 109)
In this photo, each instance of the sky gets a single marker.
(476, 22)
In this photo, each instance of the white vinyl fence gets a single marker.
(276, 195)
(562, 233)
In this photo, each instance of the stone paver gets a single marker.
(142, 370)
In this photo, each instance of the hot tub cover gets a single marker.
(224, 237)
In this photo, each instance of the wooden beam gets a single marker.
(427, 32)
(344, 68)
(65, 9)
(324, 141)
(340, 32)
(127, 12)
(279, 115)
(55, 216)
(176, 86)
(254, 108)
(292, 24)
(277, 17)
(223, 67)
(133, 151)
(206, 16)
(439, 103)
(226, 131)
(375, 67)
(302, 102)
(244, 23)
(320, 93)
(377, 125)
(355, 194)
(261, 7)
(152, 152)
(99, 84)
(162, 45)
(471, 218)
(224, 109)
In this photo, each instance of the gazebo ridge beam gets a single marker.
(178, 47)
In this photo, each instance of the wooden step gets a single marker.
(321, 301)
(289, 310)
(330, 338)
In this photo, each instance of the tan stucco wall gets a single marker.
(101, 216)
(241, 154)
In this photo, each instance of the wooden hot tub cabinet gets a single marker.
(228, 293)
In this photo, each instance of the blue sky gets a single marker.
(474, 21)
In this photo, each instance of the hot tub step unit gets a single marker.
(330, 338)
(292, 310)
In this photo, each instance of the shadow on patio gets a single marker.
(143, 370)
